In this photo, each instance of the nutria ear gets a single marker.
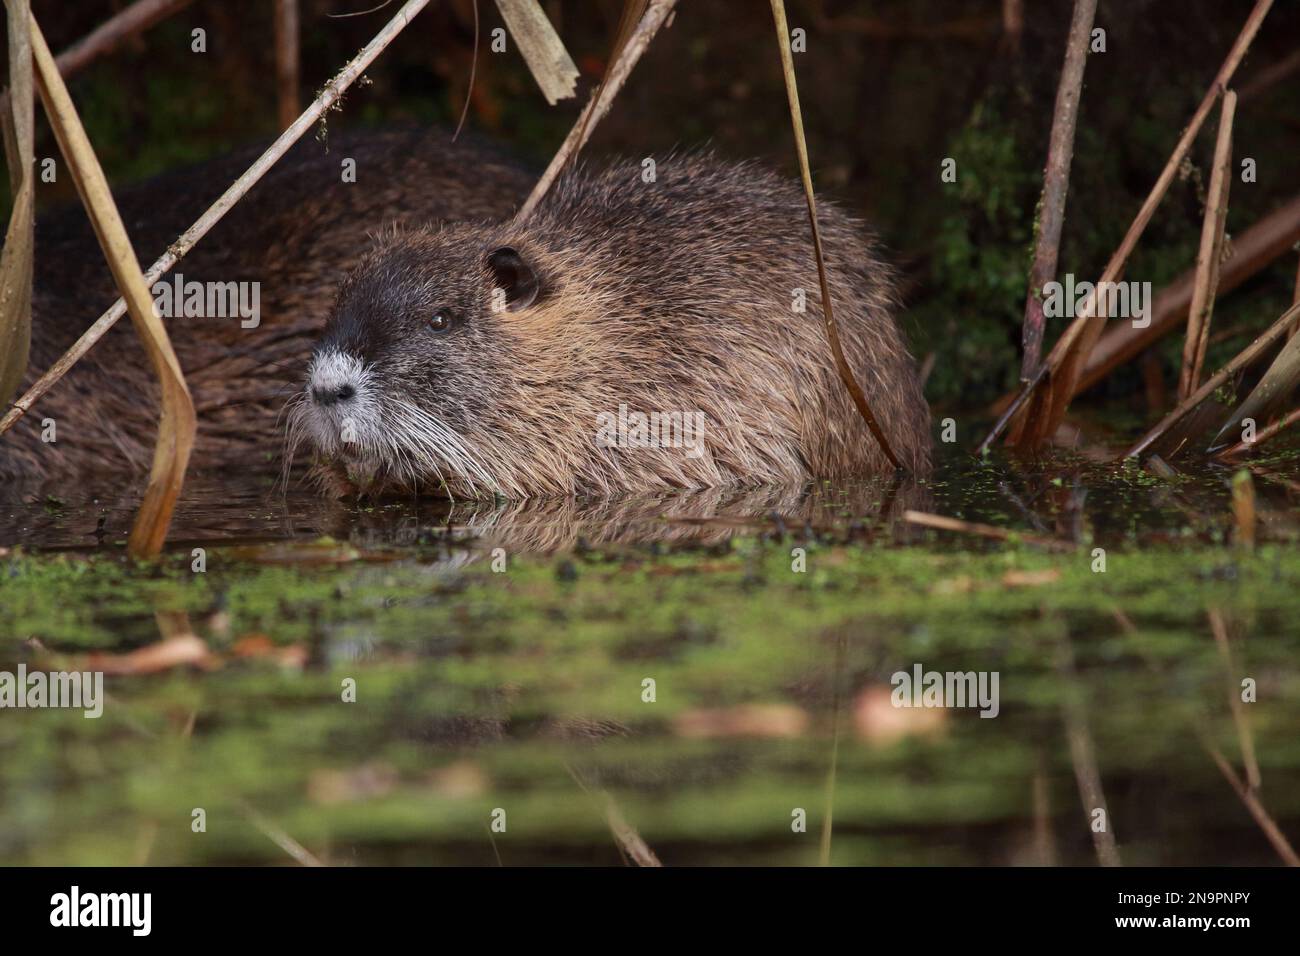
(515, 276)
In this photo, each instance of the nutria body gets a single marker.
(514, 359)
(296, 234)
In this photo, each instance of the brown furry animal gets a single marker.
(296, 233)
(516, 359)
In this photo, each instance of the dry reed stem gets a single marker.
(1295, 300)
(1243, 510)
(1210, 256)
(176, 424)
(1246, 793)
(278, 836)
(601, 99)
(1253, 250)
(828, 314)
(1084, 758)
(1246, 740)
(328, 96)
(541, 47)
(16, 259)
(1040, 796)
(1286, 421)
(1272, 832)
(827, 837)
(629, 840)
(631, 845)
(1056, 182)
(1243, 358)
(944, 523)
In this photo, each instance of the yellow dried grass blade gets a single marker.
(828, 316)
(176, 424)
(16, 260)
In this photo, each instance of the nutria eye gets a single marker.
(440, 321)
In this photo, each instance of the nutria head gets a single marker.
(413, 356)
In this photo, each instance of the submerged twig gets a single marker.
(828, 818)
(1272, 832)
(1245, 792)
(279, 836)
(631, 845)
(328, 96)
(944, 523)
(1084, 758)
(1244, 736)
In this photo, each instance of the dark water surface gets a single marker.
(705, 677)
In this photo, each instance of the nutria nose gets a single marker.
(329, 396)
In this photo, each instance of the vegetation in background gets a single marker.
(880, 118)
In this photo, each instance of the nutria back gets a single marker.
(627, 335)
(296, 234)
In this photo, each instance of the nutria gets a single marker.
(514, 358)
(296, 233)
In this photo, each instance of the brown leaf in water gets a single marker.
(879, 722)
(1031, 579)
(164, 655)
(745, 720)
(961, 584)
(366, 782)
(259, 646)
(459, 780)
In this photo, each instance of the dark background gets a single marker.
(889, 88)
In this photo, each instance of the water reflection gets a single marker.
(768, 732)
(1071, 499)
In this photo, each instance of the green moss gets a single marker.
(496, 670)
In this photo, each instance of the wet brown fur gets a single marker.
(297, 232)
(670, 295)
